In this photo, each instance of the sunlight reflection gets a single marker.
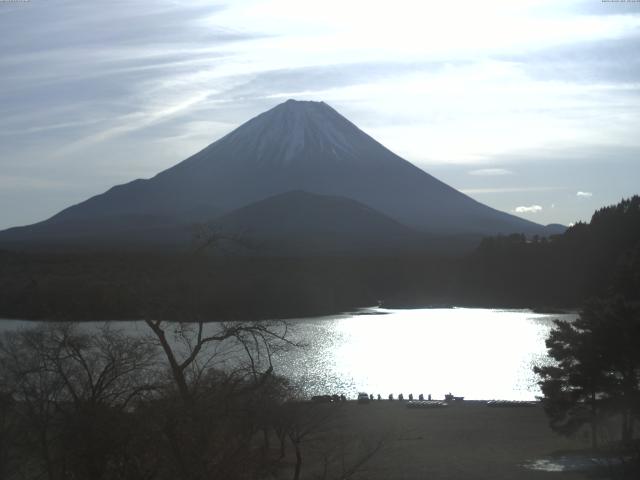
(476, 353)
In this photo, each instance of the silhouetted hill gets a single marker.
(554, 229)
(303, 223)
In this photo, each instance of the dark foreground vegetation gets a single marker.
(111, 406)
(508, 271)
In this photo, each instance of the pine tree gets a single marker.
(596, 374)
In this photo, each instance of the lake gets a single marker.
(475, 353)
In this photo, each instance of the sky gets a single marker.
(531, 107)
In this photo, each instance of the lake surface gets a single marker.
(475, 353)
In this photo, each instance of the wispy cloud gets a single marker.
(528, 209)
(90, 92)
(489, 172)
(584, 194)
(136, 121)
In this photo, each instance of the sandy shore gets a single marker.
(466, 440)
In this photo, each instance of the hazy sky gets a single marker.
(532, 107)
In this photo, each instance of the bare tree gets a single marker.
(70, 389)
(192, 349)
(323, 442)
(223, 376)
(306, 420)
(9, 435)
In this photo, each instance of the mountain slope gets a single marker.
(301, 222)
(294, 146)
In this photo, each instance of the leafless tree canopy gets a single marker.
(189, 401)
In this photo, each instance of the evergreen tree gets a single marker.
(597, 369)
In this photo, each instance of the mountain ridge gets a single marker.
(297, 145)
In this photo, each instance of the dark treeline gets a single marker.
(104, 286)
(588, 260)
(505, 271)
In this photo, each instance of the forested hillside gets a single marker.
(590, 259)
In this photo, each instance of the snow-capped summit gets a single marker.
(296, 127)
(294, 132)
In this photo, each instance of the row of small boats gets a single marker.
(490, 403)
(511, 403)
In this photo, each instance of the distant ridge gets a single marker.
(296, 146)
(299, 222)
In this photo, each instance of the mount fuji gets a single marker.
(304, 147)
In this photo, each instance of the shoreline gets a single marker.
(371, 310)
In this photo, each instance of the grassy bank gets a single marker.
(462, 441)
